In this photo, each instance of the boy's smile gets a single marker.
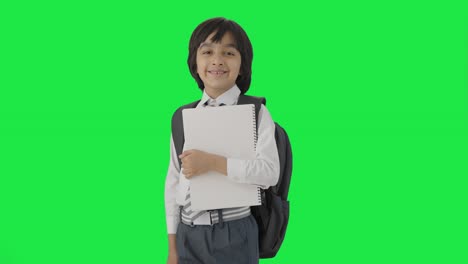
(216, 73)
(218, 64)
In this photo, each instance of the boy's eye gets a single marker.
(206, 52)
(230, 53)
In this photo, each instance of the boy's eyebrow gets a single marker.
(204, 44)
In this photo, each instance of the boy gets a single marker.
(220, 60)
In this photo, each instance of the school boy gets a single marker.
(220, 60)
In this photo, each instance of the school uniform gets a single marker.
(227, 235)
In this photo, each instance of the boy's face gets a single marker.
(218, 64)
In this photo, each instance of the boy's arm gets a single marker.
(172, 210)
(170, 192)
(219, 164)
(264, 169)
(172, 256)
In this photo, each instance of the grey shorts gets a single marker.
(231, 242)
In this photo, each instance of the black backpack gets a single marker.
(273, 215)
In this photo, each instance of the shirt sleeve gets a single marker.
(264, 169)
(170, 192)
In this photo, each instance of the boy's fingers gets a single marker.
(187, 173)
(185, 153)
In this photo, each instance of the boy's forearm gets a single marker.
(219, 164)
(172, 244)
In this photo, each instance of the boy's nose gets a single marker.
(217, 60)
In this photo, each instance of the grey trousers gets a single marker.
(231, 242)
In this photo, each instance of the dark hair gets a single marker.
(221, 25)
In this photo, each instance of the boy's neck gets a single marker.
(215, 93)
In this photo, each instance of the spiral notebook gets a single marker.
(229, 131)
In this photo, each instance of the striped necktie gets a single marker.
(186, 209)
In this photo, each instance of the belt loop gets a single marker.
(220, 217)
(211, 218)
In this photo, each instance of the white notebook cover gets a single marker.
(229, 131)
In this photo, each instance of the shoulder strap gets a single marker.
(177, 125)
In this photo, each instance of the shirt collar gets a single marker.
(229, 97)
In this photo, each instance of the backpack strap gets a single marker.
(177, 125)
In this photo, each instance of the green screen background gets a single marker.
(373, 95)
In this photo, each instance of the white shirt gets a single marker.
(262, 171)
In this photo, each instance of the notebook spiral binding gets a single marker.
(260, 195)
(254, 127)
(259, 190)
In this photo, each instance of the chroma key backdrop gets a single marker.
(373, 95)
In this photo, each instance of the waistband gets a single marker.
(213, 217)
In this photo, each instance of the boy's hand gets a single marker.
(172, 258)
(195, 162)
